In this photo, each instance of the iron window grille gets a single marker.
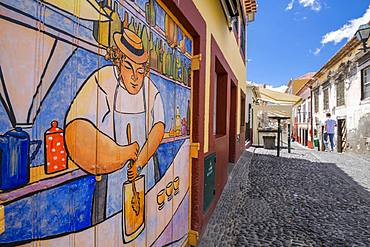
(365, 82)
(326, 98)
(340, 93)
(316, 101)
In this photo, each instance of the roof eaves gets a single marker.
(349, 46)
(250, 6)
(307, 84)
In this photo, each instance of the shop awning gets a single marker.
(276, 97)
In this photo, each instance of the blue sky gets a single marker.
(291, 37)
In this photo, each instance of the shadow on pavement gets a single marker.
(273, 201)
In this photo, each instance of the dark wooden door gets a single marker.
(232, 132)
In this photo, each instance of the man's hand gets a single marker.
(133, 171)
(147, 150)
(131, 150)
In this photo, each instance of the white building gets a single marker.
(302, 115)
(342, 87)
(249, 101)
(302, 131)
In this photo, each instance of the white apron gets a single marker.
(128, 109)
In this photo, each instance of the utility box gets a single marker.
(316, 142)
(209, 180)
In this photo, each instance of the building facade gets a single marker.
(341, 87)
(303, 120)
(250, 100)
(118, 118)
(302, 127)
(223, 120)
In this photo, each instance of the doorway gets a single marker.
(342, 136)
(248, 125)
(232, 128)
(306, 137)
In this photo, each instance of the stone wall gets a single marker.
(358, 140)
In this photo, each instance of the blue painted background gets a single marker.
(65, 208)
(166, 153)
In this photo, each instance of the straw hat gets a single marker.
(131, 45)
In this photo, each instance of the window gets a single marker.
(326, 98)
(219, 100)
(242, 109)
(230, 8)
(249, 123)
(236, 28)
(316, 101)
(340, 93)
(242, 37)
(309, 109)
(365, 83)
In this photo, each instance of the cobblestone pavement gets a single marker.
(306, 198)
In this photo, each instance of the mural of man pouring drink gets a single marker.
(120, 127)
(113, 142)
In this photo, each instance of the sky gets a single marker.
(292, 37)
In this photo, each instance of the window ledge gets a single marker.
(365, 101)
(217, 136)
(340, 107)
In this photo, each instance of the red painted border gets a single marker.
(189, 16)
(220, 145)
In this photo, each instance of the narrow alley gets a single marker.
(306, 198)
(154, 123)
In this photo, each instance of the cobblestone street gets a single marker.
(306, 198)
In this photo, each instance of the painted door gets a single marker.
(233, 116)
(95, 116)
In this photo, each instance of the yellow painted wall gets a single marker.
(215, 19)
(298, 84)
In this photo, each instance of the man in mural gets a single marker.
(97, 135)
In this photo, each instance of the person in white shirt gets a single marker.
(330, 125)
(113, 98)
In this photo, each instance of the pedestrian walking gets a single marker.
(330, 125)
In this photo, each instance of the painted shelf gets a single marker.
(46, 183)
(39, 180)
(167, 138)
(168, 78)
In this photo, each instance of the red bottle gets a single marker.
(55, 152)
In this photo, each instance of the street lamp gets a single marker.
(362, 35)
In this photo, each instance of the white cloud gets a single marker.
(347, 30)
(312, 4)
(290, 5)
(317, 51)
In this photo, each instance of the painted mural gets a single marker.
(94, 123)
